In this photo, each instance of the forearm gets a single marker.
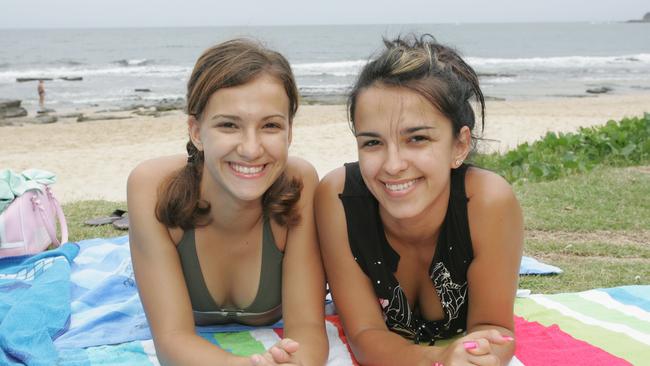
(191, 349)
(379, 347)
(314, 346)
(503, 351)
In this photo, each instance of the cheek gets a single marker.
(276, 145)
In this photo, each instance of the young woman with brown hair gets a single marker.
(419, 246)
(226, 233)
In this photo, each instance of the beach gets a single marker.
(92, 160)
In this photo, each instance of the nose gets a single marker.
(250, 147)
(395, 162)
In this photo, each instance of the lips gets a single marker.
(249, 171)
(401, 187)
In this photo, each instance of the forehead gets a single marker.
(262, 95)
(379, 107)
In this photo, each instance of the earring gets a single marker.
(459, 162)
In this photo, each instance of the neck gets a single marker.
(228, 213)
(419, 230)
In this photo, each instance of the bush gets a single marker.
(621, 143)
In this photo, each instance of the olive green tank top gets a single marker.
(265, 309)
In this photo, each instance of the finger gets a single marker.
(289, 345)
(484, 360)
(259, 360)
(477, 347)
(493, 336)
(279, 354)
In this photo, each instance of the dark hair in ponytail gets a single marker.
(227, 64)
(435, 71)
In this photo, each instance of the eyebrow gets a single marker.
(237, 118)
(406, 131)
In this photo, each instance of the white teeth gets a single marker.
(247, 169)
(401, 186)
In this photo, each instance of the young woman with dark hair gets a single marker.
(419, 246)
(226, 233)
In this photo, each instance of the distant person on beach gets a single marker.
(226, 233)
(418, 245)
(41, 94)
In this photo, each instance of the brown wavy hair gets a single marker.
(225, 65)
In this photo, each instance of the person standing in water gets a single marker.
(41, 94)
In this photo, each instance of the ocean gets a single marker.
(515, 61)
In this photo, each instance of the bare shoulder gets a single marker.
(332, 184)
(302, 169)
(150, 173)
(487, 189)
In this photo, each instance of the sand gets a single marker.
(92, 160)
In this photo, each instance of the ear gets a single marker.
(462, 147)
(194, 129)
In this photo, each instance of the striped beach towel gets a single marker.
(107, 326)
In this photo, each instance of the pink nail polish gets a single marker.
(470, 345)
(507, 338)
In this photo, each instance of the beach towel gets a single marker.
(107, 323)
(34, 305)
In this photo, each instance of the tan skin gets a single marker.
(404, 140)
(243, 126)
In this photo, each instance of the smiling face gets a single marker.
(244, 133)
(406, 150)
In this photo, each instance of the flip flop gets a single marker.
(105, 220)
(122, 223)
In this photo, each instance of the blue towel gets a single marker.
(34, 305)
(531, 266)
(106, 308)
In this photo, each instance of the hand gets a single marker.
(474, 349)
(282, 353)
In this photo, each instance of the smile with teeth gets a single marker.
(400, 186)
(247, 169)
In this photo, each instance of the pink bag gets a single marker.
(28, 224)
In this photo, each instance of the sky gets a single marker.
(188, 13)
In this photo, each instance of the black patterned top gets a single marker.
(378, 260)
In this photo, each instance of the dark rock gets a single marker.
(44, 118)
(9, 103)
(22, 80)
(143, 90)
(170, 104)
(83, 118)
(151, 113)
(45, 111)
(13, 112)
(601, 90)
(645, 19)
(495, 75)
(71, 115)
(71, 78)
(497, 99)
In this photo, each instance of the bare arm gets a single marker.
(303, 284)
(496, 226)
(355, 299)
(159, 275)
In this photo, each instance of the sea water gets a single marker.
(515, 61)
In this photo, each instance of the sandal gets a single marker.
(122, 223)
(105, 220)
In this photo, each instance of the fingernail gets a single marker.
(437, 364)
(470, 345)
(255, 359)
(507, 338)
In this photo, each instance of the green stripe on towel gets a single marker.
(239, 343)
(618, 344)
